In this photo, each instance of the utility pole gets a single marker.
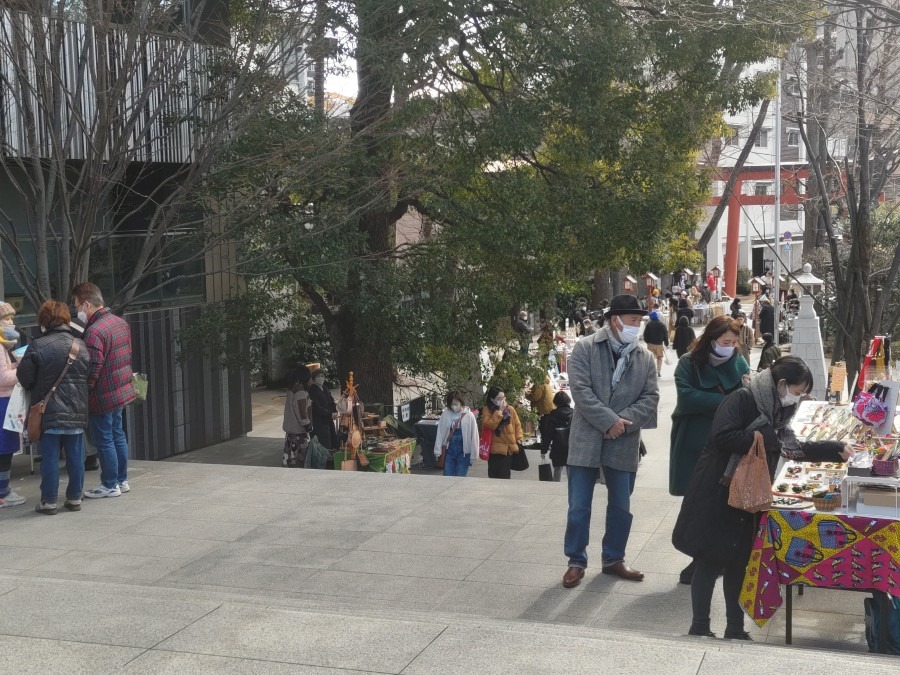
(319, 58)
(776, 272)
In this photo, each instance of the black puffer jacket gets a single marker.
(555, 434)
(707, 527)
(43, 362)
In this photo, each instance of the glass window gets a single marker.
(762, 139)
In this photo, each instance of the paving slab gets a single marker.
(303, 638)
(421, 544)
(158, 662)
(465, 650)
(185, 528)
(428, 567)
(66, 612)
(212, 571)
(35, 656)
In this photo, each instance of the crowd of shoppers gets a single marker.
(80, 380)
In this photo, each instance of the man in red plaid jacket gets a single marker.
(110, 387)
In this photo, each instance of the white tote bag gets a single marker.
(17, 410)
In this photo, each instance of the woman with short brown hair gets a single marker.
(54, 370)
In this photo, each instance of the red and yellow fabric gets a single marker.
(819, 549)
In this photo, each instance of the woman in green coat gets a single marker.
(711, 370)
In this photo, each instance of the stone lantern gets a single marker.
(807, 340)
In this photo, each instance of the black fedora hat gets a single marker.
(625, 304)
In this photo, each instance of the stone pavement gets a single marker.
(215, 568)
(205, 568)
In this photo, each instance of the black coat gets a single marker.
(707, 527)
(684, 337)
(767, 319)
(323, 409)
(41, 365)
(555, 434)
(656, 333)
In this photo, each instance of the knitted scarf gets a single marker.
(770, 412)
(623, 355)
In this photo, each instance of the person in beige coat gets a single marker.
(502, 419)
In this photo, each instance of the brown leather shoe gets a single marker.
(573, 577)
(623, 572)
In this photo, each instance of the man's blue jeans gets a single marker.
(108, 436)
(619, 485)
(456, 463)
(50, 445)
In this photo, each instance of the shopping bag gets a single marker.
(484, 447)
(519, 460)
(751, 487)
(139, 381)
(545, 468)
(16, 410)
(870, 407)
(317, 455)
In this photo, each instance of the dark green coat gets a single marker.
(700, 391)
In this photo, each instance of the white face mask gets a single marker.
(790, 399)
(722, 352)
(628, 334)
(499, 401)
(82, 316)
(319, 380)
(456, 406)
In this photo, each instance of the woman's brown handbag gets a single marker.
(36, 411)
(751, 485)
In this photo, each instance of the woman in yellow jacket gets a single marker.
(504, 422)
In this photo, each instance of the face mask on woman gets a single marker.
(721, 351)
(320, 380)
(790, 399)
(456, 406)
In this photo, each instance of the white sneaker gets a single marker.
(99, 492)
(12, 499)
(124, 487)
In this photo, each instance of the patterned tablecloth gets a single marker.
(819, 549)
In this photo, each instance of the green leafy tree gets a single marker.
(537, 140)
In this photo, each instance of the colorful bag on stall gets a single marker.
(876, 365)
(751, 486)
(870, 407)
(484, 447)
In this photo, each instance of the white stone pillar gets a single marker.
(807, 344)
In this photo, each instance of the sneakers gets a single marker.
(73, 505)
(12, 499)
(46, 509)
(124, 487)
(100, 492)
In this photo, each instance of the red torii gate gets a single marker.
(790, 178)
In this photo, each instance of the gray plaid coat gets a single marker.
(597, 406)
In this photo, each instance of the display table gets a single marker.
(426, 434)
(824, 550)
(391, 456)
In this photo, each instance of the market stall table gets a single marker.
(824, 550)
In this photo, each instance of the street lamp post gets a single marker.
(717, 273)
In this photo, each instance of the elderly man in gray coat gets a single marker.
(613, 383)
